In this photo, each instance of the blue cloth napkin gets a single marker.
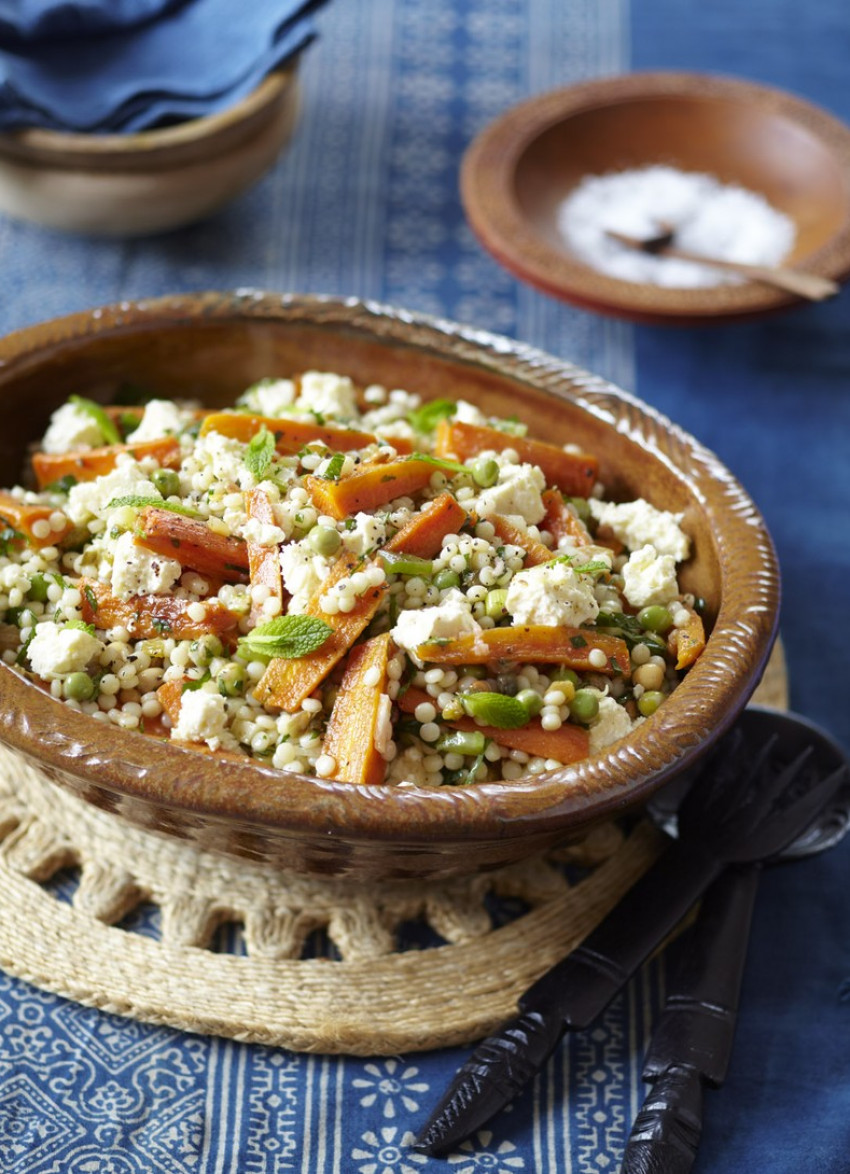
(23, 21)
(187, 60)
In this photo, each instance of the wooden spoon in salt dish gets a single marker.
(661, 244)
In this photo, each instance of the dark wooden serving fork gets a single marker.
(737, 811)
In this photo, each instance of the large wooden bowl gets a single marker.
(518, 171)
(211, 346)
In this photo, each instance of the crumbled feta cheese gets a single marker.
(269, 397)
(162, 418)
(71, 427)
(553, 594)
(136, 571)
(368, 532)
(262, 533)
(328, 394)
(467, 413)
(303, 574)
(516, 494)
(88, 499)
(649, 577)
(225, 456)
(203, 717)
(54, 652)
(637, 522)
(611, 723)
(451, 618)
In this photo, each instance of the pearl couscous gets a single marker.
(341, 581)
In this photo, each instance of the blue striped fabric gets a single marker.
(366, 203)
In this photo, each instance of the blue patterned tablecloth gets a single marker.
(365, 202)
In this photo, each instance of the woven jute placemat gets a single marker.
(370, 999)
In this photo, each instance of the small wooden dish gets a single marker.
(519, 170)
(153, 181)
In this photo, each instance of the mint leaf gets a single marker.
(138, 502)
(495, 709)
(453, 467)
(259, 453)
(82, 625)
(334, 467)
(594, 567)
(286, 636)
(426, 418)
(108, 429)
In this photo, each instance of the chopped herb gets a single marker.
(426, 418)
(63, 485)
(108, 429)
(138, 502)
(91, 599)
(627, 628)
(495, 709)
(8, 535)
(594, 567)
(578, 642)
(286, 636)
(193, 686)
(82, 626)
(318, 417)
(161, 626)
(334, 468)
(259, 453)
(453, 467)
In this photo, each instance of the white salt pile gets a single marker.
(709, 217)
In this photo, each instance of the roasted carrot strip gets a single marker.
(86, 464)
(286, 683)
(562, 521)
(535, 552)
(292, 435)
(22, 517)
(194, 544)
(263, 561)
(690, 640)
(170, 695)
(569, 743)
(575, 473)
(354, 721)
(147, 616)
(532, 643)
(369, 488)
(423, 535)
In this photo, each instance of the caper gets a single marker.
(324, 540)
(446, 579)
(78, 687)
(166, 481)
(204, 650)
(231, 680)
(532, 701)
(585, 705)
(649, 702)
(655, 618)
(485, 472)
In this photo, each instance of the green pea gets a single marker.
(324, 540)
(649, 702)
(38, 589)
(532, 701)
(655, 618)
(446, 579)
(78, 687)
(204, 650)
(494, 605)
(231, 680)
(564, 674)
(462, 742)
(167, 482)
(485, 472)
(584, 706)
